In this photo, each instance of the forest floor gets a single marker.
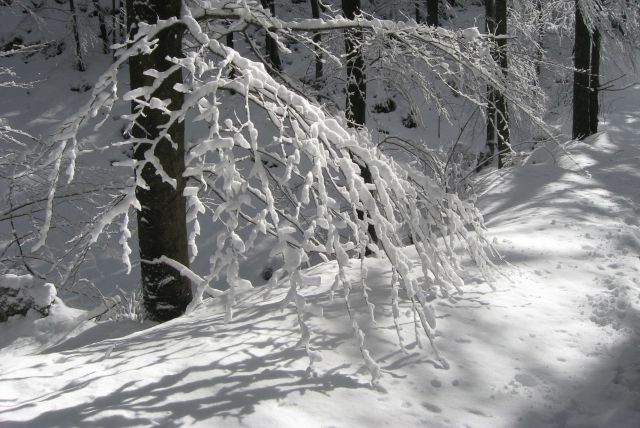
(552, 342)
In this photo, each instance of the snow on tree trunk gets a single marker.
(162, 226)
(490, 149)
(502, 107)
(317, 40)
(356, 104)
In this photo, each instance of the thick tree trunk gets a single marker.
(502, 108)
(356, 103)
(273, 55)
(581, 81)
(594, 82)
(432, 13)
(162, 227)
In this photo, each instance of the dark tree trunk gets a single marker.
(581, 81)
(102, 25)
(594, 82)
(356, 84)
(540, 25)
(317, 40)
(273, 55)
(416, 5)
(76, 36)
(162, 227)
(115, 23)
(490, 27)
(432, 13)
(356, 104)
(232, 73)
(502, 108)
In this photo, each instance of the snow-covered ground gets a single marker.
(554, 342)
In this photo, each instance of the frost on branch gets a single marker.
(296, 182)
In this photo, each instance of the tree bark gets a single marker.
(317, 39)
(162, 227)
(502, 108)
(273, 55)
(490, 27)
(356, 83)
(102, 25)
(594, 82)
(581, 82)
(432, 13)
(356, 103)
(76, 36)
(540, 28)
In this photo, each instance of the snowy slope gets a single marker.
(554, 343)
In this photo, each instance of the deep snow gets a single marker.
(554, 343)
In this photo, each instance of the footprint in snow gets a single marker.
(525, 379)
(431, 407)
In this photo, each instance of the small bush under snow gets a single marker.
(19, 293)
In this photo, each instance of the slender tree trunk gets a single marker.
(356, 83)
(272, 47)
(115, 30)
(581, 80)
(502, 108)
(594, 82)
(490, 27)
(229, 40)
(102, 25)
(432, 13)
(317, 40)
(76, 36)
(416, 5)
(540, 25)
(162, 227)
(356, 103)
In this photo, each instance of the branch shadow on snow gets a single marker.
(217, 375)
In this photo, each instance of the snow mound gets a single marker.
(21, 293)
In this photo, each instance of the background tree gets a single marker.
(581, 77)
(316, 8)
(502, 107)
(80, 66)
(102, 25)
(271, 45)
(432, 13)
(490, 149)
